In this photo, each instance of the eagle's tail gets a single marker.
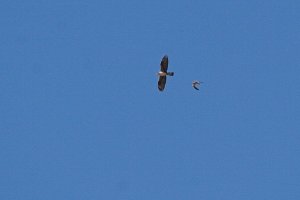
(170, 73)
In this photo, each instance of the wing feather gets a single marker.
(162, 82)
(164, 64)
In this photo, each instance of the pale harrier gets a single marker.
(195, 84)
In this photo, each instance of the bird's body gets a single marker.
(163, 73)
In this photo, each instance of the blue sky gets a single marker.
(81, 116)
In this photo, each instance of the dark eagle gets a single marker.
(163, 73)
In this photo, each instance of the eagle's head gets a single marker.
(161, 73)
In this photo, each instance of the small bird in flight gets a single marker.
(163, 73)
(195, 84)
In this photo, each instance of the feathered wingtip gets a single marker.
(170, 73)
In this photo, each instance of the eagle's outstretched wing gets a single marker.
(164, 64)
(162, 82)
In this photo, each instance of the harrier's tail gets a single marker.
(170, 73)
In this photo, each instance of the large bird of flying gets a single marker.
(163, 73)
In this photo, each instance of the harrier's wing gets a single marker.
(162, 82)
(196, 87)
(164, 64)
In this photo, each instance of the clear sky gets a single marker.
(81, 116)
